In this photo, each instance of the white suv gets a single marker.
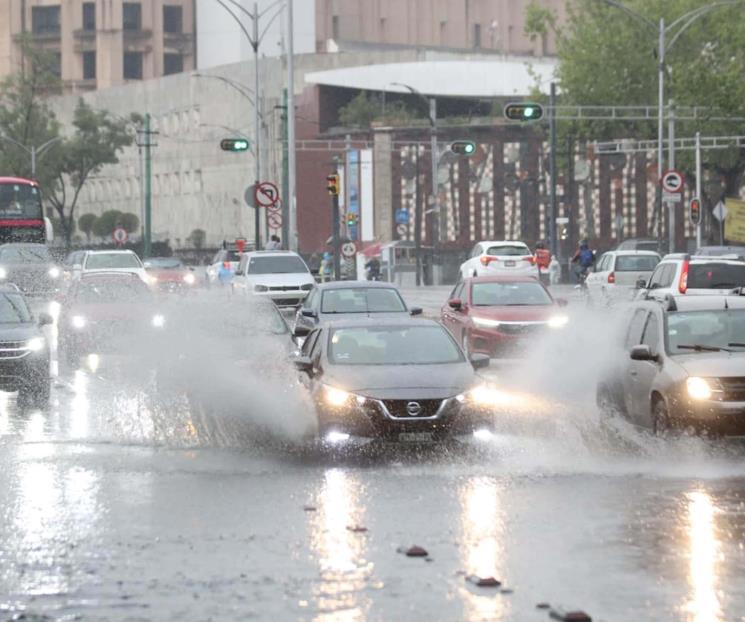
(110, 261)
(683, 274)
(501, 257)
(281, 276)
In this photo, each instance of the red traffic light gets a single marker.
(694, 211)
(332, 185)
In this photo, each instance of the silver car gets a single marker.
(683, 366)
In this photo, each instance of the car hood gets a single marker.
(713, 364)
(18, 332)
(402, 381)
(166, 274)
(525, 313)
(280, 280)
(114, 311)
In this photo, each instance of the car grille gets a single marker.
(734, 389)
(399, 409)
(13, 349)
(284, 288)
(520, 329)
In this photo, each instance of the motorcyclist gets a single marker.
(373, 269)
(583, 261)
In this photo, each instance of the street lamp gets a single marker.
(33, 151)
(681, 24)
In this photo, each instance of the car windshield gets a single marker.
(277, 264)
(109, 261)
(362, 300)
(636, 263)
(509, 294)
(704, 331)
(508, 250)
(25, 254)
(99, 291)
(716, 275)
(20, 201)
(164, 263)
(13, 309)
(393, 345)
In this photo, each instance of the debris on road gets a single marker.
(309, 508)
(413, 551)
(543, 606)
(356, 528)
(570, 616)
(483, 581)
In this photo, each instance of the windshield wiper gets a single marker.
(701, 348)
(736, 345)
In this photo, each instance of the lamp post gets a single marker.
(33, 151)
(673, 31)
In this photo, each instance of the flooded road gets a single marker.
(118, 506)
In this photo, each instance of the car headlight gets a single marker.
(78, 321)
(159, 321)
(702, 388)
(483, 322)
(3, 273)
(307, 287)
(485, 395)
(35, 344)
(261, 288)
(558, 321)
(189, 279)
(337, 398)
(151, 279)
(55, 272)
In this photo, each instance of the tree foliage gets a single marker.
(197, 238)
(361, 111)
(85, 224)
(538, 20)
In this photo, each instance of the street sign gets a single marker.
(402, 230)
(120, 235)
(348, 249)
(671, 197)
(562, 220)
(582, 171)
(694, 210)
(266, 194)
(274, 220)
(402, 217)
(249, 195)
(719, 212)
(672, 181)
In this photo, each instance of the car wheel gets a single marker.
(661, 425)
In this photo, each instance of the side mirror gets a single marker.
(416, 311)
(562, 302)
(301, 331)
(309, 313)
(303, 363)
(641, 284)
(456, 304)
(45, 319)
(642, 353)
(480, 361)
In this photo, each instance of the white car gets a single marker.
(502, 257)
(617, 274)
(110, 261)
(281, 276)
(682, 274)
(230, 255)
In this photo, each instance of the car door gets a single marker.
(449, 316)
(597, 277)
(643, 373)
(473, 261)
(311, 303)
(307, 350)
(627, 374)
(661, 280)
(239, 278)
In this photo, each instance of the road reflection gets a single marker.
(339, 550)
(482, 529)
(703, 604)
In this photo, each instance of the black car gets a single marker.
(341, 300)
(24, 351)
(32, 268)
(395, 380)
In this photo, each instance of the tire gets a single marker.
(35, 394)
(661, 425)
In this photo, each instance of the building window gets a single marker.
(55, 64)
(335, 27)
(173, 19)
(89, 15)
(172, 63)
(477, 35)
(133, 65)
(45, 20)
(89, 65)
(132, 16)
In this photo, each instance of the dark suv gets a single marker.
(24, 351)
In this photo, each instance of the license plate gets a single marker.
(509, 263)
(415, 437)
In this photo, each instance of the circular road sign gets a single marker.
(672, 181)
(249, 196)
(274, 220)
(266, 194)
(120, 235)
(348, 249)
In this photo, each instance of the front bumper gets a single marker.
(507, 340)
(283, 296)
(721, 418)
(25, 371)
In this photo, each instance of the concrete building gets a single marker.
(100, 43)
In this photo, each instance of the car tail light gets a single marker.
(612, 277)
(683, 282)
(487, 259)
(530, 259)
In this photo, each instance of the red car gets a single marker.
(496, 315)
(169, 274)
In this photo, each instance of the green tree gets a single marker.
(538, 20)
(105, 224)
(129, 221)
(361, 111)
(197, 238)
(86, 223)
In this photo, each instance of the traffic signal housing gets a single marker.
(351, 219)
(523, 111)
(463, 147)
(694, 211)
(332, 185)
(234, 144)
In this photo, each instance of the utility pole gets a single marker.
(553, 242)
(291, 164)
(671, 164)
(286, 198)
(698, 189)
(435, 207)
(257, 127)
(417, 221)
(660, 127)
(144, 139)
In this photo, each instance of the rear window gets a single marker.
(508, 250)
(362, 300)
(509, 294)
(109, 261)
(716, 276)
(636, 263)
(277, 264)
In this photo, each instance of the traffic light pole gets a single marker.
(146, 246)
(698, 188)
(554, 246)
(335, 216)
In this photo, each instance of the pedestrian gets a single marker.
(373, 269)
(274, 244)
(327, 267)
(542, 258)
(583, 261)
(314, 264)
(225, 276)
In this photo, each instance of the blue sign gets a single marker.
(402, 217)
(353, 191)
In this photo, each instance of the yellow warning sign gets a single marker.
(734, 224)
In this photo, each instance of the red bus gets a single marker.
(21, 215)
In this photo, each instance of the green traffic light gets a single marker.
(523, 111)
(234, 144)
(463, 147)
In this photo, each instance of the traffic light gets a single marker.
(463, 147)
(524, 111)
(234, 144)
(351, 219)
(694, 211)
(332, 185)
